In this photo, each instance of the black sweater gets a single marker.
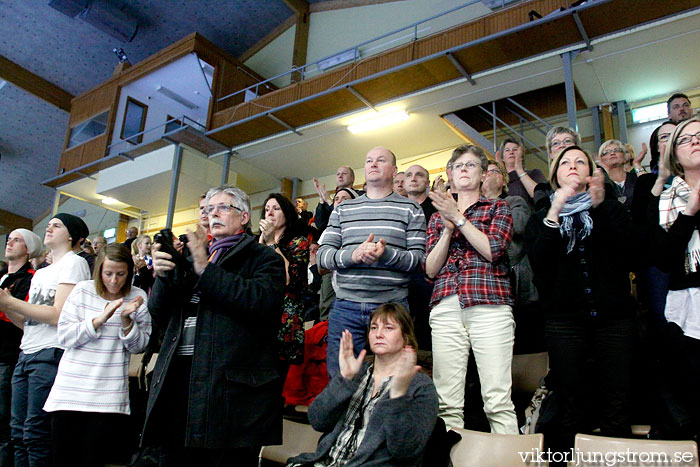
(10, 335)
(594, 278)
(672, 245)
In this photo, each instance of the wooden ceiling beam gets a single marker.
(34, 84)
(299, 7)
(10, 222)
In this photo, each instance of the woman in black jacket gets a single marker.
(579, 256)
(674, 219)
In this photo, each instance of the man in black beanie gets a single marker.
(38, 361)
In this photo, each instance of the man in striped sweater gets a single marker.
(372, 243)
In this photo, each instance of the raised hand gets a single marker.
(439, 185)
(637, 161)
(404, 371)
(197, 242)
(321, 190)
(107, 313)
(128, 310)
(561, 196)
(446, 206)
(596, 188)
(161, 261)
(349, 364)
(498, 156)
(693, 205)
(267, 232)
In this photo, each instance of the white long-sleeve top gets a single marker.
(93, 375)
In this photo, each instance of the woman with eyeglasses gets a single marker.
(674, 215)
(581, 269)
(612, 156)
(471, 302)
(281, 230)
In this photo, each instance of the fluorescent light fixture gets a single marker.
(381, 121)
(110, 233)
(109, 201)
(650, 113)
(335, 60)
(176, 97)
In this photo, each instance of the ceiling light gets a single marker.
(176, 97)
(109, 201)
(379, 122)
(650, 113)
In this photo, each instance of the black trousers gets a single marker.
(592, 360)
(87, 438)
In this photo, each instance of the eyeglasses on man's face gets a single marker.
(687, 138)
(223, 208)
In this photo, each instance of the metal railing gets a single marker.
(352, 54)
(183, 121)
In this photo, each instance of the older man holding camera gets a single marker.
(216, 389)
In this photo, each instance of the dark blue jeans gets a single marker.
(353, 316)
(30, 425)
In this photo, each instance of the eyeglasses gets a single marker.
(607, 152)
(465, 165)
(565, 142)
(663, 137)
(223, 208)
(493, 171)
(686, 139)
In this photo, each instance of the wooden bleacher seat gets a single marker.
(588, 445)
(296, 439)
(478, 449)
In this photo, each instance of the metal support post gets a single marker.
(177, 163)
(495, 127)
(596, 125)
(567, 59)
(227, 164)
(622, 120)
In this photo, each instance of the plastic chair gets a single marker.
(592, 451)
(477, 449)
(297, 438)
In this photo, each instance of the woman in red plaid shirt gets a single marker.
(471, 302)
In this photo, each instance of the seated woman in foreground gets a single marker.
(379, 413)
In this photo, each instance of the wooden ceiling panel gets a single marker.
(392, 85)
(441, 69)
(248, 131)
(326, 106)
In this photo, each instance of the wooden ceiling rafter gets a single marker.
(34, 84)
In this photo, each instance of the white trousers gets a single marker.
(488, 330)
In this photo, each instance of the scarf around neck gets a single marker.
(673, 201)
(217, 248)
(576, 206)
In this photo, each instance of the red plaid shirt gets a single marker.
(466, 272)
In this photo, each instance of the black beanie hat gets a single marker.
(77, 229)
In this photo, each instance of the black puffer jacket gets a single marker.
(10, 335)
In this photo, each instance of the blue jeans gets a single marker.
(30, 425)
(353, 316)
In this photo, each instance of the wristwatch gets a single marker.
(461, 223)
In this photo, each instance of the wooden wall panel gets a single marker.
(71, 159)
(328, 80)
(103, 98)
(94, 149)
(81, 109)
(381, 62)
(275, 99)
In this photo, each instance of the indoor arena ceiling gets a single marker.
(76, 56)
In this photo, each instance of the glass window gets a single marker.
(134, 121)
(90, 128)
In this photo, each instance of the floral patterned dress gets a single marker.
(291, 333)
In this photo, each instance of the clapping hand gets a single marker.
(128, 310)
(596, 188)
(637, 161)
(447, 207)
(267, 232)
(107, 313)
(197, 242)
(404, 372)
(369, 252)
(693, 205)
(322, 192)
(348, 363)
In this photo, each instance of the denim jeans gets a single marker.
(6, 454)
(30, 425)
(353, 316)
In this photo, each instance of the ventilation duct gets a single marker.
(108, 18)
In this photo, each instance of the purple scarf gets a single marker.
(217, 248)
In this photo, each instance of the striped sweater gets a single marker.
(397, 220)
(93, 375)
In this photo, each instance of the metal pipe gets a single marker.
(530, 113)
(567, 59)
(177, 163)
(495, 127)
(596, 125)
(227, 164)
(523, 119)
(622, 120)
(514, 131)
